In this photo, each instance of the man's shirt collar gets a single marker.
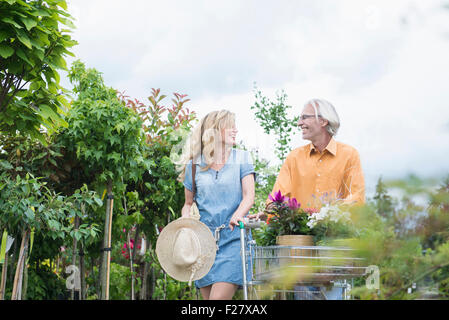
(331, 147)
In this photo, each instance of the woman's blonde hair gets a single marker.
(204, 140)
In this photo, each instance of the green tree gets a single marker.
(33, 46)
(383, 201)
(108, 140)
(160, 196)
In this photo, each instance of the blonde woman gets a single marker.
(224, 182)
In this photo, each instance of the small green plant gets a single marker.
(274, 119)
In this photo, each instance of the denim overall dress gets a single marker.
(218, 196)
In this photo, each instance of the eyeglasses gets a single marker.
(307, 116)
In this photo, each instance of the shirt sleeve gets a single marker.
(283, 180)
(188, 176)
(246, 165)
(354, 180)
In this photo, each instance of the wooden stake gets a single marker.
(3, 281)
(19, 269)
(82, 275)
(107, 245)
(108, 271)
(75, 244)
(82, 269)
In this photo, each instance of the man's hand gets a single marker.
(260, 215)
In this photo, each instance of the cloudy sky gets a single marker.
(383, 64)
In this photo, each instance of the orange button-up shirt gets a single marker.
(315, 178)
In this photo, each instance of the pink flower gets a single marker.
(278, 197)
(131, 244)
(293, 204)
(311, 211)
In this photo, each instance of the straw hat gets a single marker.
(186, 249)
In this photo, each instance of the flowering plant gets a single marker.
(285, 217)
(332, 221)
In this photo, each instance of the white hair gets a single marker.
(327, 111)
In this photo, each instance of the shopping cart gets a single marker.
(296, 272)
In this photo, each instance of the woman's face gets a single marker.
(228, 135)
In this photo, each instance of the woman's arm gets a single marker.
(185, 212)
(248, 194)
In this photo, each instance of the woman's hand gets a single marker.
(185, 212)
(235, 221)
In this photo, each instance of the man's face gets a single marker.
(310, 126)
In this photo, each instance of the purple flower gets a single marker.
(278, 197)
(293, 204)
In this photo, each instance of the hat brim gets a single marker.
(164, 249)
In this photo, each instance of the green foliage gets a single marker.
(171, 289)
(43, 284)
(120, 282)
(161, 196)
(266, 236)
(415, 253)
(26, 203)
(21, 202)
(274, 119)
(103, 134)
(161, 122)
(383, 201)
(33, 47)
(30, 155)
(266, 177)
(168, 288)
(408, 242)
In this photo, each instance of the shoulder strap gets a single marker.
(193, 180)
(193, 160)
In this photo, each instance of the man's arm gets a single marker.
(354, 182)
(283, 183)
(283, 180)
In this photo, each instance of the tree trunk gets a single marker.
(98, 280)
(144, 288)
(82, 295)
(82, 275)
(131, 253)
(75, 245)
(16, 290)
(136, 238)
(107, 244)
(131, 261)
(3, 281)
(13, 260)
(153, 284)
(25, 278)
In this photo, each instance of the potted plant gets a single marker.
(332, 224)
(287, 222)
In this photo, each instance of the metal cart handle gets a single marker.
(251, 223)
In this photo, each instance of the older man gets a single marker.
(324, 170)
